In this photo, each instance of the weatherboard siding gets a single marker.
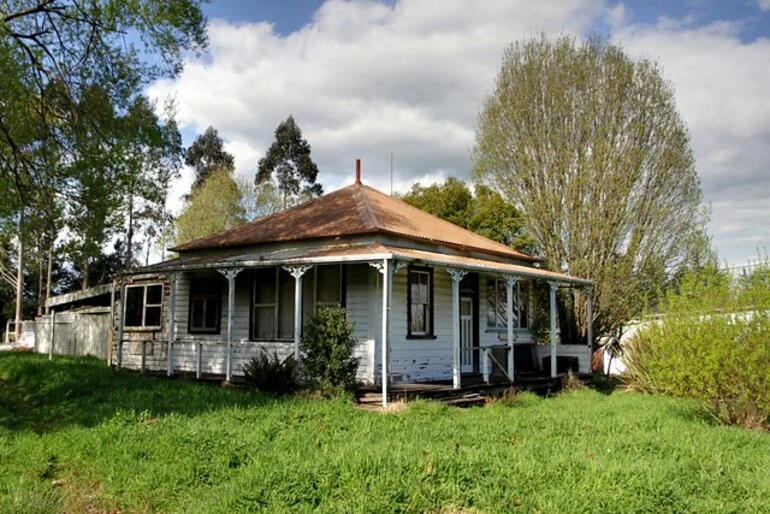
(213, 347)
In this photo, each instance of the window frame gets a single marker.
(430, 318)
(501, 286)
(205, 296)
(144, 307)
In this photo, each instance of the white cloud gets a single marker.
(764, 4)
(364, 79)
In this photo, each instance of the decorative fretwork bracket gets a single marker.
(456, 274)
(394, 268)
(297, 271)
(230, 273)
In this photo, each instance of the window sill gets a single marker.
(141, 329)
(205, 332)
(421, 336)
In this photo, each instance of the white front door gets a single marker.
(466, 335)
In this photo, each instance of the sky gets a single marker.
(407, 78)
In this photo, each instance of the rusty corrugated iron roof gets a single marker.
(353, 210)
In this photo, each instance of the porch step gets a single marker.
(466, 400)
(455, 399)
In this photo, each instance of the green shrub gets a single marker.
(269, 374)
(713, 344)
(327, 352)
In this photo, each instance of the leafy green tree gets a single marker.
(451, 201)
(207, 155)
(51, 51)
(484, 212)
(215, 206)
(588, 144)
(288, 162)
(67, 79)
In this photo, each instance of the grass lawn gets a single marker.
(75, 436)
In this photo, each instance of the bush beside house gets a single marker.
(712, 344)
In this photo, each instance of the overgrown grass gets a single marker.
(76, 436)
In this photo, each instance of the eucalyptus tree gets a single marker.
(588, 144)
(206, 155)
(288, 165)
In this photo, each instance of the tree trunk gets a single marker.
(85, 273)
(130, 232)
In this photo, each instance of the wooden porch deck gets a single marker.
(473, 391)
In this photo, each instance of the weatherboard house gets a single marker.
(429, 301)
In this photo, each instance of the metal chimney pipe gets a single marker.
(358, 171)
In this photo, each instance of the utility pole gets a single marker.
(19, 281)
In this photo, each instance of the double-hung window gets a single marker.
(497, 305)
(273, 305)
(205, 310)
(420, 302)
(143, 306)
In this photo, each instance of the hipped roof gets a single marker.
(351, 211)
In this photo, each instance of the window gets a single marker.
(273, 301)
(205, 311)
(497, 305)
(143, 306)
(420, 299)
(328, 286)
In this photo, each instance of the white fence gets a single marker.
(85, 332)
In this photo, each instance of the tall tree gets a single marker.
(207, 155)
(289, 164)
(52, 50)
(587, 142)
(484, 212)
(215, 206)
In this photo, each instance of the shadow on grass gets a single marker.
(605, 384)
(41, 395)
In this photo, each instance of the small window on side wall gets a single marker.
(420, 303)
(143, 306)
(205, 310)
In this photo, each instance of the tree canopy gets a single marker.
(588, 144)
(52, 51)
(215, 206)
(288, 163)
(484, 212)
(82, 151)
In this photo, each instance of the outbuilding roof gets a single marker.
(353, 210)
